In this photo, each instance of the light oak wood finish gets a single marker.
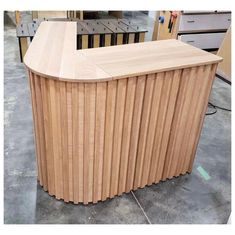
(58, 40)
(110, 120)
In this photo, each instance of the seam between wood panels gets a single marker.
(68, 97)
(173, 118)
(73, 156)
(99, 67)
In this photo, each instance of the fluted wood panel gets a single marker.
(101, 139)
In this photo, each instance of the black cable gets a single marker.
(215, 107)
(218, 107)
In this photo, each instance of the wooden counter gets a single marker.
(109, 120)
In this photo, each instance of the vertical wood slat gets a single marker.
(41, 135)
(118, 130)
(48, 135)
(171, 101)
(89, 137)
(59, 157)
(185, 116)
(143, 129)
(64, 140)
(117, 140)
(81, 130)
(54, 111)
(155, 113)
(98, 140)
(75, 143)
(36, 129)
(210, 75)
(139, 95)
(108, 143)
(198, 98)
(191, 105)
(152, 126)
(129, 106)
(173, 147)
(70, 137)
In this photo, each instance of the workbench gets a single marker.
(114, 119)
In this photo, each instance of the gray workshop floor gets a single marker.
(186, 199)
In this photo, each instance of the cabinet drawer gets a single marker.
(204, 22)
(203, 41)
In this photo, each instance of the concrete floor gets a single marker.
(186, 199)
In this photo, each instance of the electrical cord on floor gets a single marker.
(215, 107)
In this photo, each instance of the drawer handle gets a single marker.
(190, 41)
(190, 21)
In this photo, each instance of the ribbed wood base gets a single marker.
(98, 140)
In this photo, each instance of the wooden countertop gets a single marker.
(53, 54)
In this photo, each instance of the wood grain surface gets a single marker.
(98, 140)
(53, 54)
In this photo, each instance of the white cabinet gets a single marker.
(203, 40)
(204, 22)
